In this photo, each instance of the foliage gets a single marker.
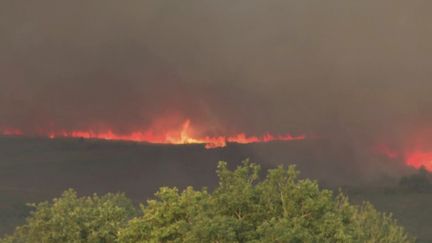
(243, 208)
(76, 219)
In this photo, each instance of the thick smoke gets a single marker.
(356, 71)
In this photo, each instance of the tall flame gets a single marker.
(183, 134)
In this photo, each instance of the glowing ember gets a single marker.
(183, 134)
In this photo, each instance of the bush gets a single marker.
(243, 208)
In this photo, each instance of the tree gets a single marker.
(242, 208)
(75, 219)
(280, 208)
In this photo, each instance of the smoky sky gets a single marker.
(349, 69)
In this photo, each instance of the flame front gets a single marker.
(183, 134)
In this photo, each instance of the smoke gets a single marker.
(355, 71)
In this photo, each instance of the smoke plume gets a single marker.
(358, 72)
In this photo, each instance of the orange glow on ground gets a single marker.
(180, 134)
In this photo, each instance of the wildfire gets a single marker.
(415, 156)
(419, 159)
(183, 134)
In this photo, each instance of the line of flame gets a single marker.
(183, 135)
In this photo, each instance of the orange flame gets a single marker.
(416, 157)
(184, 134)
(419, 159)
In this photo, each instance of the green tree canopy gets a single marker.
(75, 219)
(242, 208)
